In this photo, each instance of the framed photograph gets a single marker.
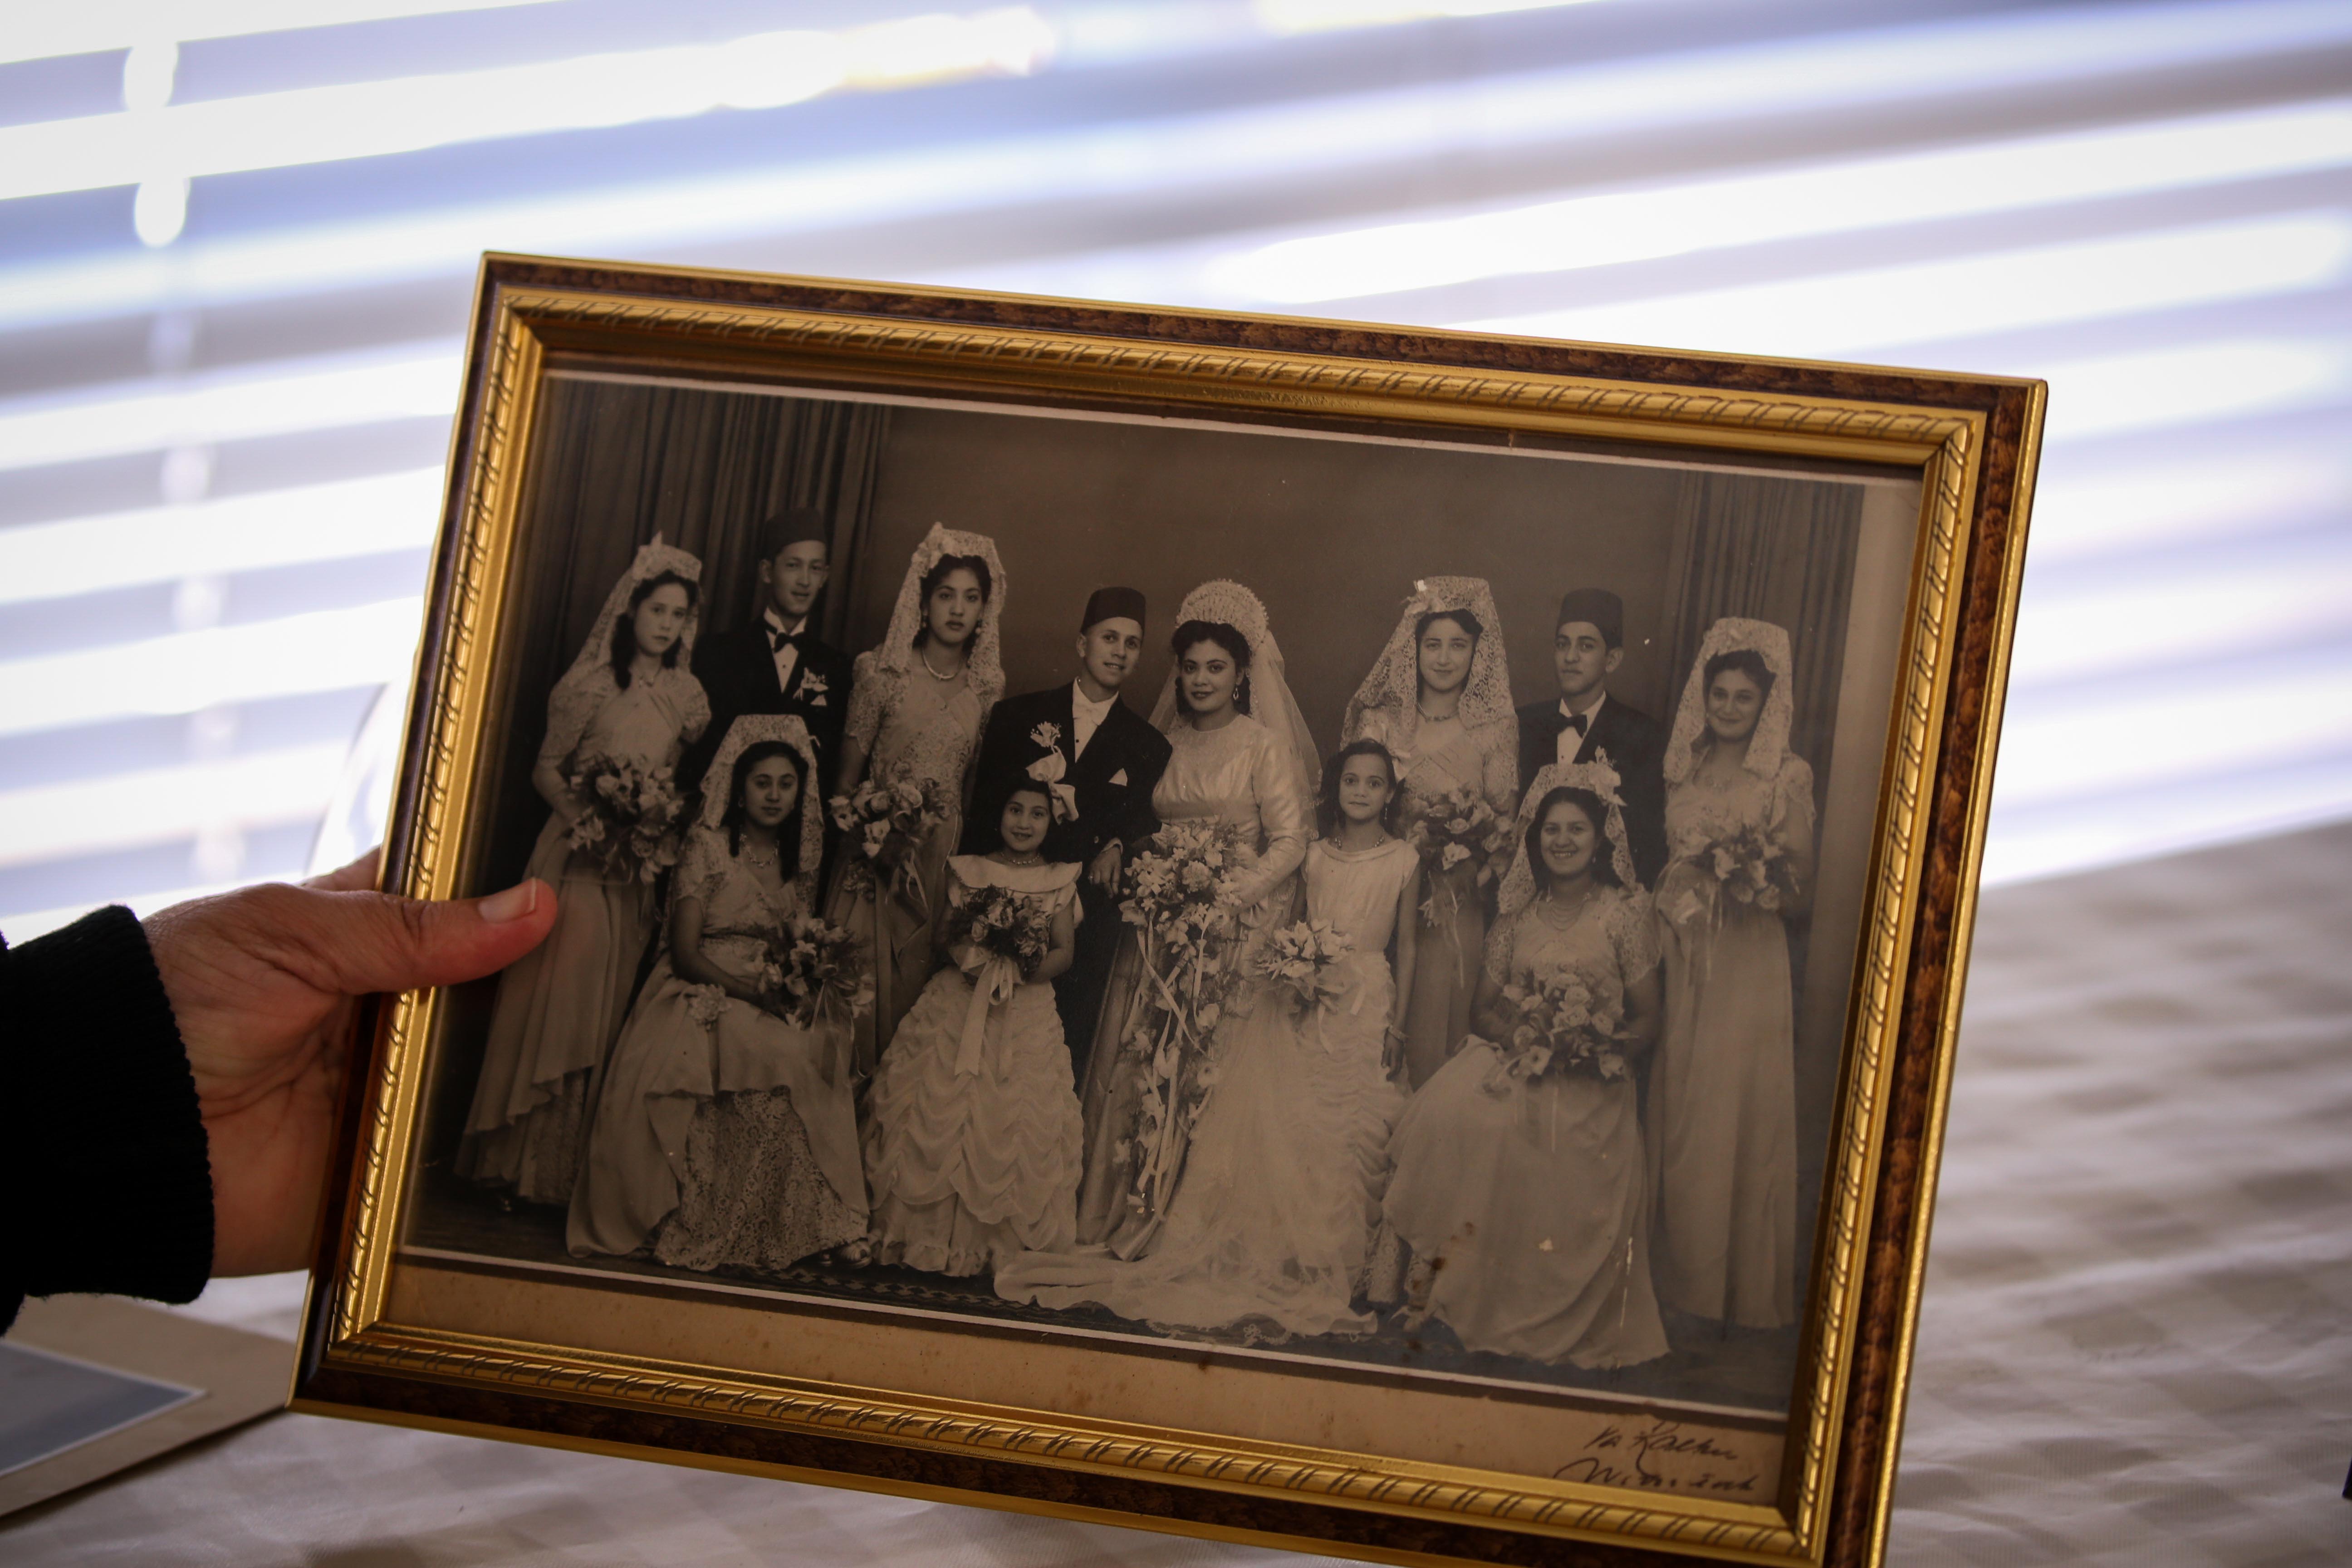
(1342, 937)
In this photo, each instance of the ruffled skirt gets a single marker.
(966, 1169)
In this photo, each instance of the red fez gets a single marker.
(794, 525)
(1110, 604)
(1598, 608)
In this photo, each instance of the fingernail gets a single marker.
(511, 905)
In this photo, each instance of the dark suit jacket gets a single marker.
(738, 671)
(1636, 748)
(1106, 811)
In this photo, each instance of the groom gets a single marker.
(1585, 720)
(1099, 762)
(777, 663)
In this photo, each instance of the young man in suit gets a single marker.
(1585, 720)
(776, 663)
(1099, 762)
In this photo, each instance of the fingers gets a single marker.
(363, 942)
(359, 877)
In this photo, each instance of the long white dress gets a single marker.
(559, 1006)
(972, 1157)
(1723, 1094)
(1269, 1228)
(1530, 1199)
(1242, 775)
(730, 1143)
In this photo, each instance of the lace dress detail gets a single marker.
(559, 1006)
(1435, 758)
(912, 727)
(1268, 1231)
(725, 1137)
(1242, 775)
(1723, 1094)
(973, 1155)
(1530, 1201)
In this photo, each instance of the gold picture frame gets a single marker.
(621, 1364)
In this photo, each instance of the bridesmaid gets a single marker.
(972, 1130)
(1439, 700)
(1240, 755)
(1523, 1198)
(916, 708)
(627, 697)
(1723, 1095)
(726, 1136)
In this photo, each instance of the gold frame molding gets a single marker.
(1971, 441)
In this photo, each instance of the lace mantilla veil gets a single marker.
(1271, 703)
(1770, 743)
(1394, 683)
(898, 652)
(749, 732)
(652, 560)
(1518, 888)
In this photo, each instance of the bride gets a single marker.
(1273, 1219)
(1241, 756)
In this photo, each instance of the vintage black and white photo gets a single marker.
(1360, 901)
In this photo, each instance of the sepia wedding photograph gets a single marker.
(1344, 899)
(1199, 918)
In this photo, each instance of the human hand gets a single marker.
(1106, 868)
(263, 983)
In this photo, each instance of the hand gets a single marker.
(263, 983)
(1105, 870)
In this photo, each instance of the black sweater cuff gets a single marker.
(105, 1182)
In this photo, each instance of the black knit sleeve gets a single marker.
(105, 1183)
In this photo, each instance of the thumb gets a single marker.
(367, 943)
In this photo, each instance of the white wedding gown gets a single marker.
(1269, 1228)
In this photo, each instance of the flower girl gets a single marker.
(726, 1136)
(972, 1141)
(1270, 1227)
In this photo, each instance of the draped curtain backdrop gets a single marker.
(1771, 550)
(614, 464)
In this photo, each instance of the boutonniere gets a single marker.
(1048, 770)
(813, 684)
(1048, 735)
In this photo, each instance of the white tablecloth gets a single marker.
(2134, 1346)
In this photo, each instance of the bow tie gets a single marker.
(778, 641)
(1576, 721)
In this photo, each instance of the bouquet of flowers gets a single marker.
(1453, 830)
(815, 966)
(1564, 1031)
(1181, 897)
(1750, 867)
(998, 922)
(886, 819)
(629, 827)
(1303, 958)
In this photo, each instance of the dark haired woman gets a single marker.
(1723, 1096)
(917, 705)
(1519, 1184)
(627, 701)
(1241, 757)
(1440, 698)
(726, 1132)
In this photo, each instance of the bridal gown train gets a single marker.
(1269, 1228)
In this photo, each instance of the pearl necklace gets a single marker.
(1024, 860)
(925, 655)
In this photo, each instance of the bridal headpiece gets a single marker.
(718, 778)
(1394, 683)
(898, 650)
(1518, 888)
(1770, 742)
(652, 560)
(1271, 703)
